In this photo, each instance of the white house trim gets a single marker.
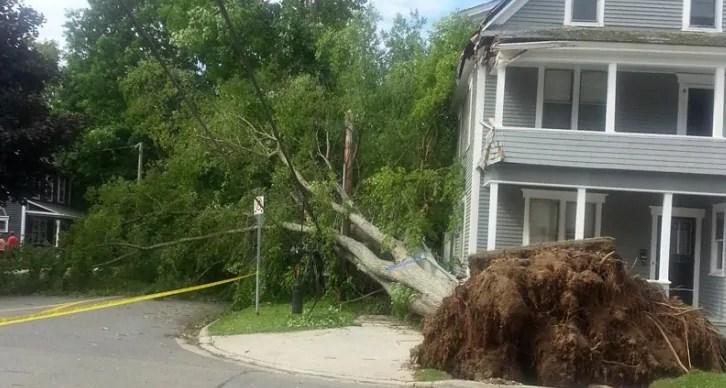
(499, 103)
(713, 271)
(599, 22)
(479, 100)
(540, 96)
(698, 215)
(611, 98)
(23, 210)
(580, 214)
(718, 102)
(564, 196)
(665, 240)
(718, 17)
(604, 188)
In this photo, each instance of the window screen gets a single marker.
(557, 108)
(584, 10)
(544, 217)
(703, 13)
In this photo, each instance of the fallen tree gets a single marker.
(564, 315)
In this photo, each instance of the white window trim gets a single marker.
(4, 217)
(574, 97)
(718, 17)
(600, 22)
(718, 208)
(564, 197)
(686, 82)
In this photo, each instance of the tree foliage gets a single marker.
(319, 62)
(29, 131)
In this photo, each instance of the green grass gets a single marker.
(694, 379)
(430, 375)
(277, 317)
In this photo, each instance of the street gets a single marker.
(130, 346)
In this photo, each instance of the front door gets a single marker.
(683, 252)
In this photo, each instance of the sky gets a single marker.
(432, 10)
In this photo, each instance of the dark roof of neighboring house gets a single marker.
(599, 34)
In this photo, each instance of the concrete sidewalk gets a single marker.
(376, 352)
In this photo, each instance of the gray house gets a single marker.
(40, 219)
(585, 118)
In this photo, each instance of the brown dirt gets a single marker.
(566, 316)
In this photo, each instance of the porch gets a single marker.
(673, 240)
(41, 224)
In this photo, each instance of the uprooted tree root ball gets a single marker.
(565, 315)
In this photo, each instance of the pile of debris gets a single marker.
(566, 314)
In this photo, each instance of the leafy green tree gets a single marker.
(30, 132)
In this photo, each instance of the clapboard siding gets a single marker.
(537, 14)
(635, 152)
(14, 212)
(647, 103)
(510, 216)
(520, 97)
(661, 14)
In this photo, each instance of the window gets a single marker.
(39, 231)
(557, 105)
(62, 183)
(584, 12)
(4, 220)
(593, 100)
(551, 215)
(718, 235)
(702, 15)
(48, 189)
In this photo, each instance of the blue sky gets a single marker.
(432, 10)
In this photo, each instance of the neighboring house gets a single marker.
(585, 118)
(39, 219)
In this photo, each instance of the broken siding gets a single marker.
(520, 97)
(661, 14)
(536, 14)
(647, 103)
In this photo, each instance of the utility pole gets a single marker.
(259, 211)
(139, 167)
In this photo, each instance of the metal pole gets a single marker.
(257, 276)
(141, 162)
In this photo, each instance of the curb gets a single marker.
(206, 343)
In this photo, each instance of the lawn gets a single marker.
(692, 380)
(431, 375)
(277, 317)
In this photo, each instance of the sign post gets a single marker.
(259, 212)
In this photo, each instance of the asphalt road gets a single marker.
(130, 346)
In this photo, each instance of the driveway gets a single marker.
(130, 346)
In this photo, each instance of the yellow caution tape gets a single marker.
(78, 307)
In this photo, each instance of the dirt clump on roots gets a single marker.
(563, 315)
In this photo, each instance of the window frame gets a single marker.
(564, 197)
(575, 96)
(6, 219)
(718, 18)
(600, 22)
(62, 190)
(713, 270)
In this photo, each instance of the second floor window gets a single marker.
(584, 12)
(702, 14)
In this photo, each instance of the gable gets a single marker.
(527, 14)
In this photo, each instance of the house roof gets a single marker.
(614, 35)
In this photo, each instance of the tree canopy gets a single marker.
(30, 132)
(173, 75)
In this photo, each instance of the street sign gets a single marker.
(259, 207)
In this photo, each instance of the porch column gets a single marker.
(612, 93)
(23, 216)
(499, 105)
(580, 214)
(665, 241)
(718, 102)
(57, 233)
(492, 227)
